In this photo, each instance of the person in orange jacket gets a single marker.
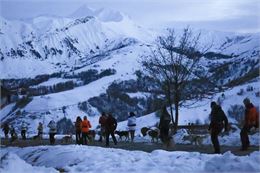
(251, 120)
(85, 126)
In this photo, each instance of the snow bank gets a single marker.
(11, 163)
(74, 158)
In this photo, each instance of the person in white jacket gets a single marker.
(23, 130)
(53, 130)
(131, 123)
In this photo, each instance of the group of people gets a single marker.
(82, 129)
(10, 130)
(219, 121)
(108, 125)
(24, 128)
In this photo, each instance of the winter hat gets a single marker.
(131, 114)
(212, 104)
(246, 101)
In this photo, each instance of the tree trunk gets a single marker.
(171, 112)
(176, 116)
(176, 104)
(168, 94)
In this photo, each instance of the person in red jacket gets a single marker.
(251, 120)
(85, 126)
(78, 128)
(102, 122)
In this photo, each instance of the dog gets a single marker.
(36, 137)
(14, 136)
(66, 139)
(144, 130)
(194, 139)
(154, 134)
(122, 133)
(101, 133)
(92, 135)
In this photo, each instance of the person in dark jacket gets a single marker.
(110, 127)
(216, 126)
(40, 130)
(78, 130)
(13, 133)
(6, 130)
(251, 120)
(102, 122)
(164, 125)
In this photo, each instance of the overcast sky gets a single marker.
(223, 15)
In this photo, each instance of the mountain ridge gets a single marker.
(66, 48)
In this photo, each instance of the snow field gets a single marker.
(74, 158)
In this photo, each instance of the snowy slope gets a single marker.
(200, 111)
(73, 158)
(102, 39)
(61, 44)
(103, 14)
(54, 81)
(53, 103)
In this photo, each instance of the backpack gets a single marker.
(253, 117)
(112, 123)
(102, 120)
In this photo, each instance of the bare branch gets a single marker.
(175, 63)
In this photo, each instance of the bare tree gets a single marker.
(175, 65)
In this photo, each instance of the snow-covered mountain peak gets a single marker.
(82, 11)
(103, 14)
(45, 24)
(108, 15)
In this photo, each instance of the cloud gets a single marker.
(246, 24)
